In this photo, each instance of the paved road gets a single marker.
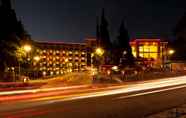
(125, 101)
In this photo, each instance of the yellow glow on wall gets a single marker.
(134, 51)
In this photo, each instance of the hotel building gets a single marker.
(61, 58)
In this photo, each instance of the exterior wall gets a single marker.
(178, 66)
(60, 58)
(91, 44)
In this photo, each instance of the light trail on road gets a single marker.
(102, 90)
(98, 94)
(42, 90)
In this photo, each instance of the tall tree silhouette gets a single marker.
(104, 38)
(11, 33)
(124, 49)
(104, 33)
(180, 43)
(98, 32)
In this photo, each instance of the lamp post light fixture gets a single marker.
(36, 58)
(171, 52)
(27, 48)
(99, 51)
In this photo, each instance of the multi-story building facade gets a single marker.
(61, 58)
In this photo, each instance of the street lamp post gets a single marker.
(170, 52)
(36, 59)
(99, 52)
(27, 48)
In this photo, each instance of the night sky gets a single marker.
(74, 20)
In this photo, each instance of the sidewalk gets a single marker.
(10, 86)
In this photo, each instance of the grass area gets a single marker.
(69, 80)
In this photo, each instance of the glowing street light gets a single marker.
(99, 51)
(171, 52)
(27, 48)
(36, 58)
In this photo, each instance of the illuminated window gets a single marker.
(70, 64)
(70, 52)
(146, 48)
(141, 55)
(57, 73)
(153, 48)
(83, 53)
(141, 49)
(148, 51)
(51, 73)
(44, 73)
(83, 64)
(76, 58)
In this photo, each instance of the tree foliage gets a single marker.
(123, 48)
(180, 43)
(104, 35)
(11, 34)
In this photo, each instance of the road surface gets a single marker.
(124, 101)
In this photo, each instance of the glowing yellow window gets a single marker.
(146, 48)
(154, 55)
(141, 55)
(141, 48)
(146, 55)
(153, 48)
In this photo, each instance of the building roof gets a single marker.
(60, 43)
